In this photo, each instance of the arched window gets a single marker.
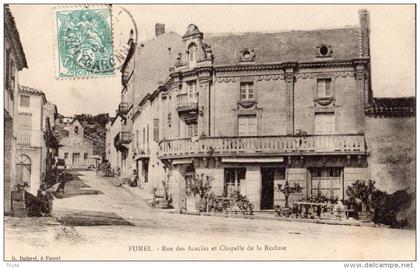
(23, 169)
(76, 129)
(192, 54)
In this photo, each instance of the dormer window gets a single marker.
(192, 55)
(247, 55)
(324, 51)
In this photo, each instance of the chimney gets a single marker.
(159, 29)
(364, 31)
(364, 18)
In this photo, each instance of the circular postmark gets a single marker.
(85, 42)
(124, 29)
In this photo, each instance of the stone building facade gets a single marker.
(252, 110)
(50, 121)
(111, 154)
(77, 150)
(15, 61)
(31, 146)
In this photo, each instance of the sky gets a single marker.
(392, 42)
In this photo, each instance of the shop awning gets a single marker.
(253, 160)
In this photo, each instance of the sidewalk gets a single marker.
(148, 198)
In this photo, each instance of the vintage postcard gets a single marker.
(209, 132)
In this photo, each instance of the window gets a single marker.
(233, 177)
(156, 130)
(247, 91)
(324, 123)
(76, 129)
(85, 156)
(324, 88)
(247, 125)
(326, 181)
(10, 74)
(25, 101)
(192, 91)
(66, 155)
(192, 53)
(147, 134)
(137, 142)
(324, 51)
(192, 129)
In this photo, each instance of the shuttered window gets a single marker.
(247, 125)
(324, 123)
(192, 129)
(156, 130)
(326, 181)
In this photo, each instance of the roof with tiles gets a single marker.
(29, 90)
(32, 91)
(10, 28)
(291, 46)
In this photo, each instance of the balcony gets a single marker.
(123, 108)
(122, 138)
(29, 138)
(264, 146)
(186, 105)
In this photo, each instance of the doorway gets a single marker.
(267, 188)
(23, 170)
(76, 158)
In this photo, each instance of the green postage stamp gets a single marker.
(84, 42)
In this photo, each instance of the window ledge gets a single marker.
(247, 103)
(324, 101)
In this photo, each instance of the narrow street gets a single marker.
(157, 233)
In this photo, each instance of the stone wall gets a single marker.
(392, 161)
(391, 142)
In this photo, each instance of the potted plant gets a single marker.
(286, 189)
(199, 187)
(360, 192)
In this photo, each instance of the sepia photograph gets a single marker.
(209, 132)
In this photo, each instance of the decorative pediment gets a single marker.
(192, 32)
